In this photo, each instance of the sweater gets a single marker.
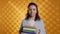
(38, 24)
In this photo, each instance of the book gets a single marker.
(29, 29)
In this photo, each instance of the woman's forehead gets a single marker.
(32, 6)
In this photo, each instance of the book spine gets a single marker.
(29, 29)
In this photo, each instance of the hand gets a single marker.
(37, 31)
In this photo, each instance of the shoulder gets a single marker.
(41, 22)
(24, 21)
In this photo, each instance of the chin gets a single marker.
(32, 15)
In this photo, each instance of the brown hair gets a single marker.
(36, 16)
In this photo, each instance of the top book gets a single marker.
(28, 29)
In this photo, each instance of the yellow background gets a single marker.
(13, 11)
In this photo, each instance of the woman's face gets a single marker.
(32, 10)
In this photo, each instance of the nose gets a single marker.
(32, 11)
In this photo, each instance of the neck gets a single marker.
(32, 18)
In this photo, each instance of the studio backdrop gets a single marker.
(13, 11)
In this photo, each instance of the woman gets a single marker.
(32, 24)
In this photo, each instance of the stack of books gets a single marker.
(29, 29)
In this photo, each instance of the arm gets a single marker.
(40, 27)
(20, 29)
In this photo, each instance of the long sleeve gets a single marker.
(40, 26)
(21, 28)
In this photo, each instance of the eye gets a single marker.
(34, 9)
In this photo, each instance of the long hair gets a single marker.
(36, 16)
